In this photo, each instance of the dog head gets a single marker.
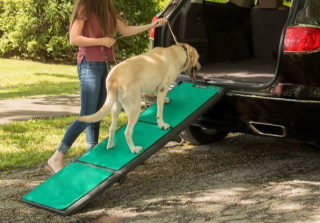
(192, 62)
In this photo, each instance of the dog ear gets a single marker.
(193, 55)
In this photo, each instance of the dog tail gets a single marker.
(103, 111)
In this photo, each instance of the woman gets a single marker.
(93, 26)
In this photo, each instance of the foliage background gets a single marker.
(38, 29)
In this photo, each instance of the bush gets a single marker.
(140, 12)
(35, 29)
(38, 29)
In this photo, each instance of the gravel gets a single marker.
(241, 179)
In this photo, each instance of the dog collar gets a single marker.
(186, 50)
(186, 63)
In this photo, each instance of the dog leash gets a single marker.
(169, 26)
(175, 40)
(168, 23)
(174, 37)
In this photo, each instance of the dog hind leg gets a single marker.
(132, 109)
(115, 111)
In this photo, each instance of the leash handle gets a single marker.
(120, 37)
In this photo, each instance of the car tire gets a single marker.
(199, 135)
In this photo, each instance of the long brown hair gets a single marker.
(104, 10)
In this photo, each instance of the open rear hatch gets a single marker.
(240, 43)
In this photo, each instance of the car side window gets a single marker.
(285, 2)
(218, 1)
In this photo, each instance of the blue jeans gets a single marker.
(92, 76)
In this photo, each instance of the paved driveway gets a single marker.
(42, 107)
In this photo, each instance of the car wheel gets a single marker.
(199, 135)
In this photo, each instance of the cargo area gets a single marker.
(237, 41)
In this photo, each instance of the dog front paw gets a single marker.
(163, 126)
(136, 149)
(110, 145)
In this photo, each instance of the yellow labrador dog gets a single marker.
(153, 71)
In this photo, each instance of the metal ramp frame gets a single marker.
(69, 190)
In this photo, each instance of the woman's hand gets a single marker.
(126, 30)
(160, 22)
(108, 41)
(77, 39)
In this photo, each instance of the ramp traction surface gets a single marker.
(67, 186)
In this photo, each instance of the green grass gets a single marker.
(28, 143)
(21, 79)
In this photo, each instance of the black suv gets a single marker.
(265, 54)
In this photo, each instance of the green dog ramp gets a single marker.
(81, 181)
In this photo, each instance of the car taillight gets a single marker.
(153, 30)
(302, 39)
